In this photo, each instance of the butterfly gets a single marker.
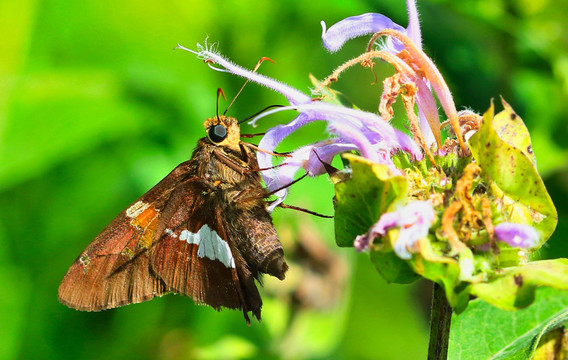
(203, 231)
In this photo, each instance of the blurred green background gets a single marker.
(95, 108)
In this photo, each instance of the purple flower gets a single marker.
(427, 78)
(413, 220)
(517, 235)
(374, 138)
(370, 134)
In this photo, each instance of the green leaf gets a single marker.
(392, 268)
(361, 200)
(513, 131)
(502, 149)
(515, 287)
(445, 271)
(485, 332)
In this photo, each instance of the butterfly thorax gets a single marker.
(214, 163)
(227, 172)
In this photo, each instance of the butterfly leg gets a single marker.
(238, 166)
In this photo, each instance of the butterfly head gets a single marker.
(223, 131)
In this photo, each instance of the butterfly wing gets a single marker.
(203, 232)
(114, 270)
(196, 255)
(172, 239)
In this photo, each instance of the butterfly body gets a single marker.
(203, 231)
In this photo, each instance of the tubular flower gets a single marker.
(354, 26)
(368, 133)
(413, 221)
(371, 23)
(517, 235)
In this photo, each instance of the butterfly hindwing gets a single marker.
(196, 255)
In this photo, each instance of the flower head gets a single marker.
(450, 206)
(421, 75)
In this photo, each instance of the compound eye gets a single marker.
(217, 133)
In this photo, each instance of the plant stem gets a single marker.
(440, 320)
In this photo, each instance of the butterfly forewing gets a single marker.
(115, 269)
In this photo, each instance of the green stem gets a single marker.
(440, 320)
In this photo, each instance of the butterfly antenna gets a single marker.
(256, 148)
(262, 59)
(259, 112)
(219, 93)
(287, 185)
(297, 208)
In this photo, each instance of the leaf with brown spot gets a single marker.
(512, 171)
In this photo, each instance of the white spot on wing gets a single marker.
(210, 245)
(190, 237)
(136, 209)
(171, 233)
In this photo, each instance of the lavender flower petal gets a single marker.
(373, 137)
(413, 28)
(294, 96)
(354, 26)
(428, 112)
(325, 152)
(386, 221)
(310, 158)
(354, 135)
(413, 220)
(350, 138)
(517, 235)
(303, 158)
(369, 123)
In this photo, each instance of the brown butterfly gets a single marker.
(203, 231)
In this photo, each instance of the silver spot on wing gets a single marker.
(210, 245)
